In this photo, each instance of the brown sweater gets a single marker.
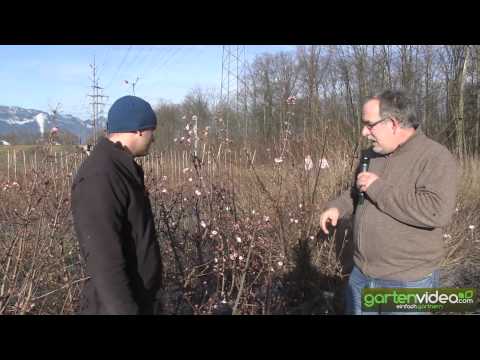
(397, 231)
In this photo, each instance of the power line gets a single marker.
(121, 63)
(105, 59)
(149, 65)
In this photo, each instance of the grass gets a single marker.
(235, 238)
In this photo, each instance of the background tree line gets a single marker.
(330, 84)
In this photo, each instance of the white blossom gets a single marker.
(239, 239)
(197, 192)
(278, 160)
(308, 163)
(202, 224)
(471, 227)
(324, 163)
(214, 232)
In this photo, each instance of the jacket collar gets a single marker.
(411, 143)
(122, 155)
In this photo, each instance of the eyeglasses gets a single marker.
(371, 126)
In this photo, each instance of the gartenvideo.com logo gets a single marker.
(424, 300)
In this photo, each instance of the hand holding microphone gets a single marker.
(364, 179)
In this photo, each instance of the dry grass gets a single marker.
(236, 237)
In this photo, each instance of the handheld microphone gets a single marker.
(363, 167)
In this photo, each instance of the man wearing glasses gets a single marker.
(409, 194)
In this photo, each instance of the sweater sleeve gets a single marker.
(429, 204)
(344, 203)
(99, 210)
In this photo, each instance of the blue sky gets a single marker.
(41, 76)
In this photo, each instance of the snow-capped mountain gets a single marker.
(18, 120)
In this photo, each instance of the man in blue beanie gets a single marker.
(113, 218)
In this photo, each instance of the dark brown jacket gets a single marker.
(397, 231)
(115, 228)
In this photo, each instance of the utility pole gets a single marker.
(95, 100)
(133, 84)
(233, 79)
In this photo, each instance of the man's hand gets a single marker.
(330, 215)
(365, 179)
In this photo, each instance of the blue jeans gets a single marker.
(357, 281)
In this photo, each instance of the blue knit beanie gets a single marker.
(130, 113)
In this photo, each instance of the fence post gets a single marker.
(15, 163)
(8, 166)
(24, 166)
